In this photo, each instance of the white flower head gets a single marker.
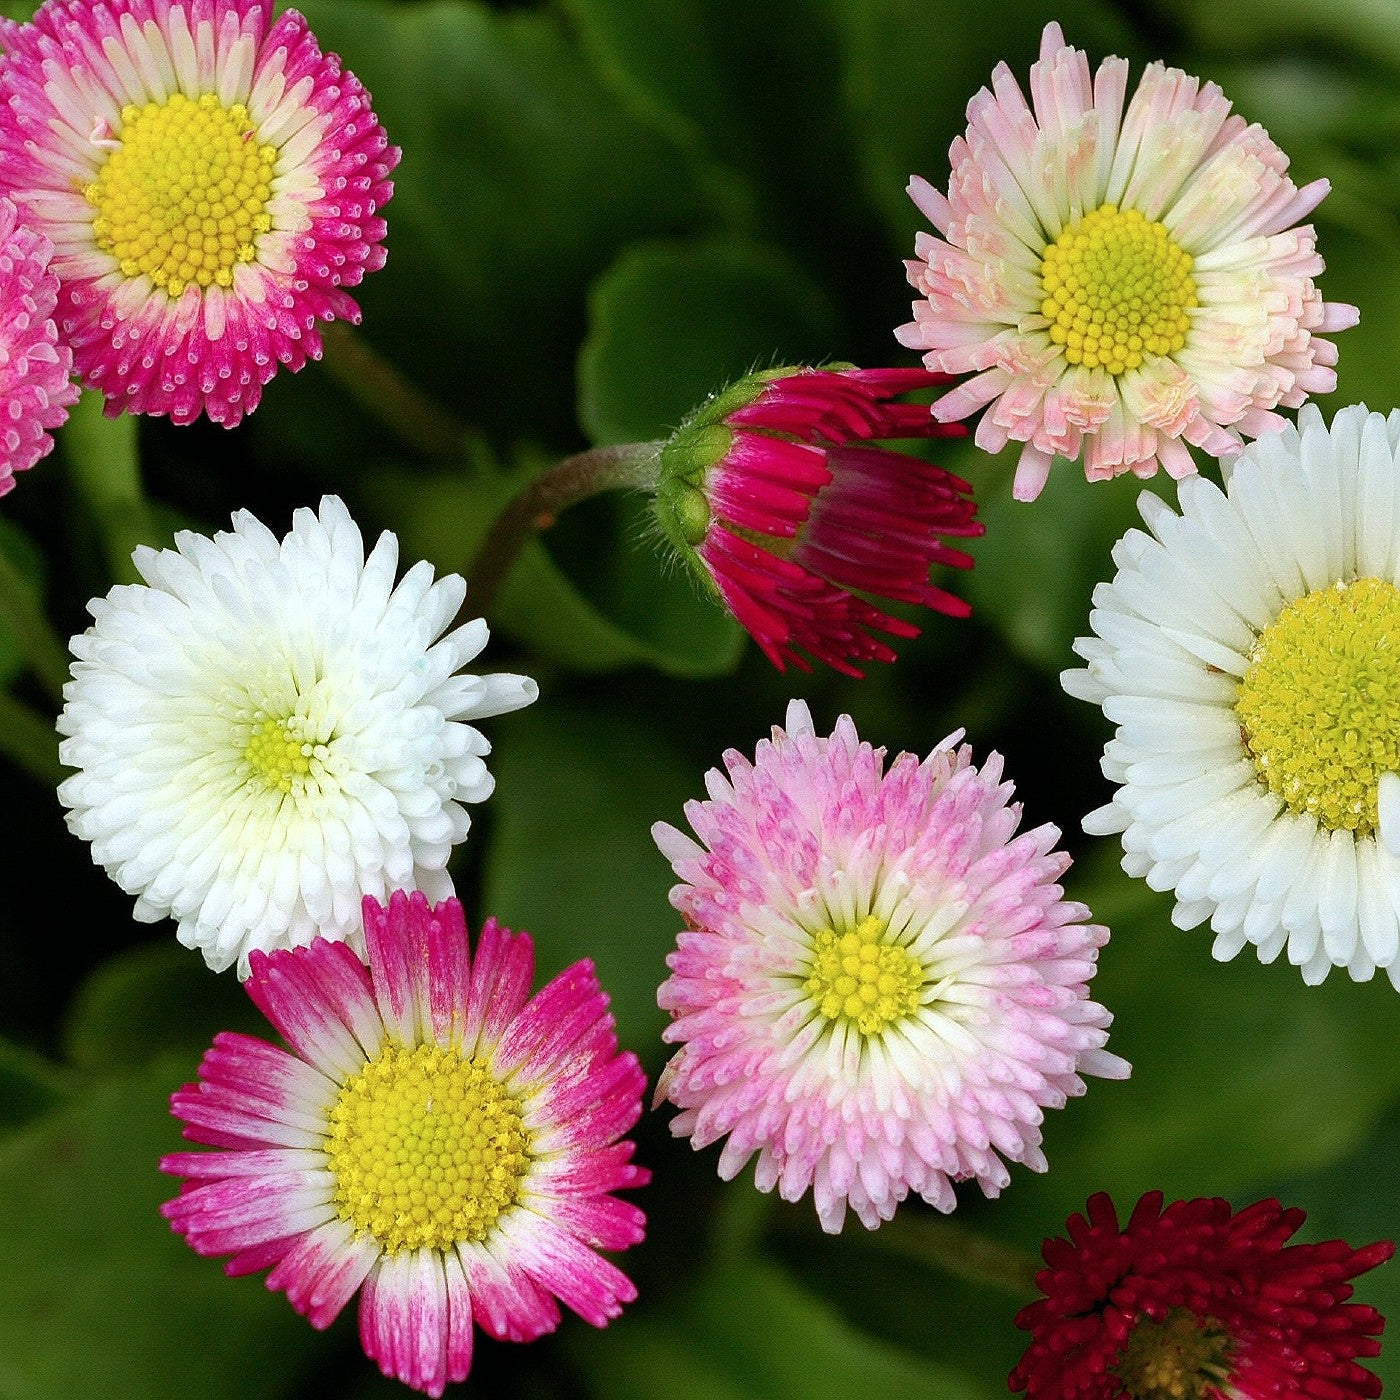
(267, 731)
(1249, 652)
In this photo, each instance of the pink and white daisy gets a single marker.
(435, 1138)
(1119, 281)
(881, 987)
(778, 494)
(35, 388)
(211, 183)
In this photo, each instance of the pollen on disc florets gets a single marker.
(1116, 289)
(183, 197)
(280, 751)
(1181, 1358)
(1319, 706)
(428, 1148)
(861, 978)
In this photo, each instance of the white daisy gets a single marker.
(267, 731)
(1249, 652)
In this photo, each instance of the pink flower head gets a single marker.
(881, 986)
(1198, 1301)
(211, 183)
(1118, 281)
(435, 1138)
(35, 389)
(776, 491)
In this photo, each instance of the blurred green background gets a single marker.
(605, 210)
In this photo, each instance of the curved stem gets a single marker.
(538, 505)
(384, 393)
(42, 647)
(957, 1250)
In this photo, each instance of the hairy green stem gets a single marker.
(538, 505)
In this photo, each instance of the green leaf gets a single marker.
(1037, 565)
(671, 324)
(30, 1084)
(521, 177)
(749, 1332)
(97, 1295)
(150, 1000)
(572, 859)
(1235, 1065)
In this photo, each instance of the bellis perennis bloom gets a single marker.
(211, 184)
(266, 731)
(881, 988)
(35, 389)
(1119, 280)
(1199, 1302)
(1248, 650)
(776, 494)
(435, 1139)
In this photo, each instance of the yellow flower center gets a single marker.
(1183, 1358)
(859, 978)
(280, 752)
(1319, 706)
(184, 195)
(1117, 289)
(427, 1148)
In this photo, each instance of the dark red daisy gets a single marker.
(1196, 1302)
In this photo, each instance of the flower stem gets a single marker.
(105, 465)
(29, 740)
(957, 1250)
(539, 504)
(21, 614)
(384, 393)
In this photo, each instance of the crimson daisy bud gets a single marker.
(1198, 1301)
(777, 496)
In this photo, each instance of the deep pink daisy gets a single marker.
(211, 183)
(1201, 1303)
(881, 987)
(776, 491)
(435, 1138)
(36, 390)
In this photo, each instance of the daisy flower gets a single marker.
(434, 1138)
(211, 183)
(35, 389)
(1198, 1302)
(266, 731)
(777, 495)
(1248, 650)
(881, 987)
(1119, 281)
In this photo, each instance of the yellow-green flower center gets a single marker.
(280, 752)
(1319, 706)
(427, 1148)
(861, 978)
(1116, 289)
(1182, 1358)
(183, 197)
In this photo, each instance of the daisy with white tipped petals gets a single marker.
(881, 987)
(1118, 279)
(266, 731)
(1248, 650)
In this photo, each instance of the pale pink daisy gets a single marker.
(881, 987)
(435, 1138)
(1119, 280)
(35, 389)
(211, 182)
